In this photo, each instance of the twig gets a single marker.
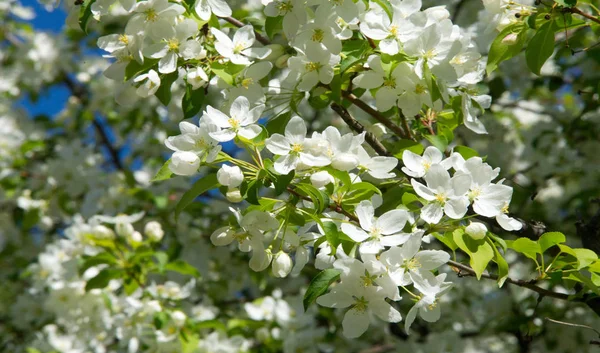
(581, 13)
(573, 325)
(239, 24)
(375, 114)
(517, 282)
(359, 128)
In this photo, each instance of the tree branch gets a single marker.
(517, 282)
(359, 128)
(375, 114)
(240, 24)
(575, 10)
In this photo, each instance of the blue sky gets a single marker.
(54, 99)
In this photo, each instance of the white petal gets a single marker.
(354, 232)
(385, 311)
(422, 190)
(432, 259)
(456, 208)
(249, 132)
(278, 144)
(432, 213)
(392, 221)
(335, 299)
(355, 323)
(295, 129)
(365, 213)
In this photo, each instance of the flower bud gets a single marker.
(282, 61)
(184, 163)
(510, 39)
(230, 176)
(277, 50)
(134, 239)
(124, 229)
(222, 236)
(321, 179)
(178, 318)
(476, 230)
(282, 264)
(234, 195)
(260, 259)
(154, 231)
(103, 232)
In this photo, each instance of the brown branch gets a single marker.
(581, 13)
(517, 282)
(240, 24)
(359, 128)
(375, 114)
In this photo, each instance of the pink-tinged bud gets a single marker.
(510, 39)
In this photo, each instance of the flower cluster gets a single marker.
(412, 59)
(376, 252)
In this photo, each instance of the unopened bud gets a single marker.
(154, 231)
(321, 179)
(124, 229)
(178, 318)
(476, 230)
(282, 264)
(510, 39)
(282, 61)
(234, 195)
(184, 163)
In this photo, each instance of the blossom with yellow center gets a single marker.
(313, 66)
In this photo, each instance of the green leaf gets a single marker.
(332, 235)
(164, 91)
(447, 239)
(502, 266)
(277, 124)
(102, 258)
(585, 257)
(317, 197)
(85, 13)
(479, 251)
(161, 260)
(548, 240)
(102, 279)
(318, 286)
(282, 182)
(134, 68)
(182, 267)
(250, 191)
(466, 152)
(226, 72)
(401, 145)
(540, 47)
(526, 247)
(353, 52)
(164, 172)
(506, 45)
(201, 186)
(439, 141)
(192, 101)
(273, 25)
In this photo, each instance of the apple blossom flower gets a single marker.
(241, 122)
